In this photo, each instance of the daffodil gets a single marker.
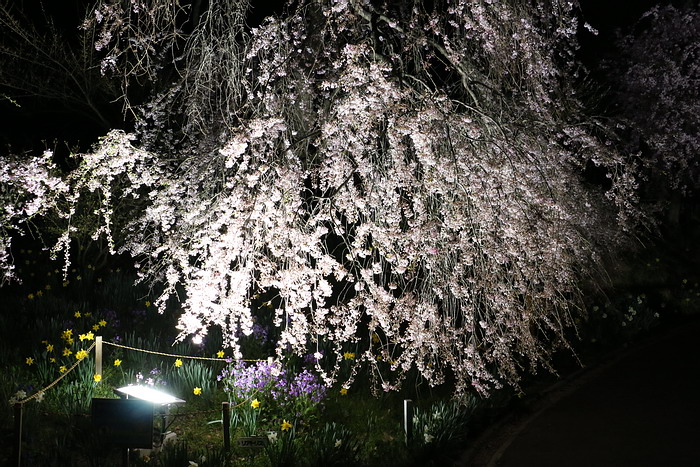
(62, 369)
(343, 391)
(220, 354)
(178, 363)
(67, 352)
(255, 403)
(89, 336)
(197, 391)
(95, 327)
(49, 347)
(117, 362)
(102, 323)
(77, 314)
(349, 355)
(286, 425)
(97, 378)
(80, 354)
(30, 361)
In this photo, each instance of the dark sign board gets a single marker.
(124, 422)
(254, 442)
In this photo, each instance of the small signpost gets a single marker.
(252, 442)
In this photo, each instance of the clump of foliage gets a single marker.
(265, 394)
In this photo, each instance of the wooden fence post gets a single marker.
(226, 420)
(18, 434)
(98, 355)
(408, 419)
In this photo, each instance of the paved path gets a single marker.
(640, 409)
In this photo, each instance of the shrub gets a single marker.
(332, 445)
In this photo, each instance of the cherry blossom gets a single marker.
(404, 180)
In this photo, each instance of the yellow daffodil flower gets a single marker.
(62, 369)
(349, 355)
(220, 354)
(97, 378)
(102, 323)
(67, 352)
(77, 314)
(30, 361)
(80, 354)
(117, 362)
(49, 347)
(255, 404)
(343, 391)
(197, 391)
(286, 425)
(178, 363)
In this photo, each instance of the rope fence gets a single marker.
(165, 354)
(97, 346)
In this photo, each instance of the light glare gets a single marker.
(149, 394)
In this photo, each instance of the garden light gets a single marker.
(149, 394)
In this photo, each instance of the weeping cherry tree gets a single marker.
(406, 179)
